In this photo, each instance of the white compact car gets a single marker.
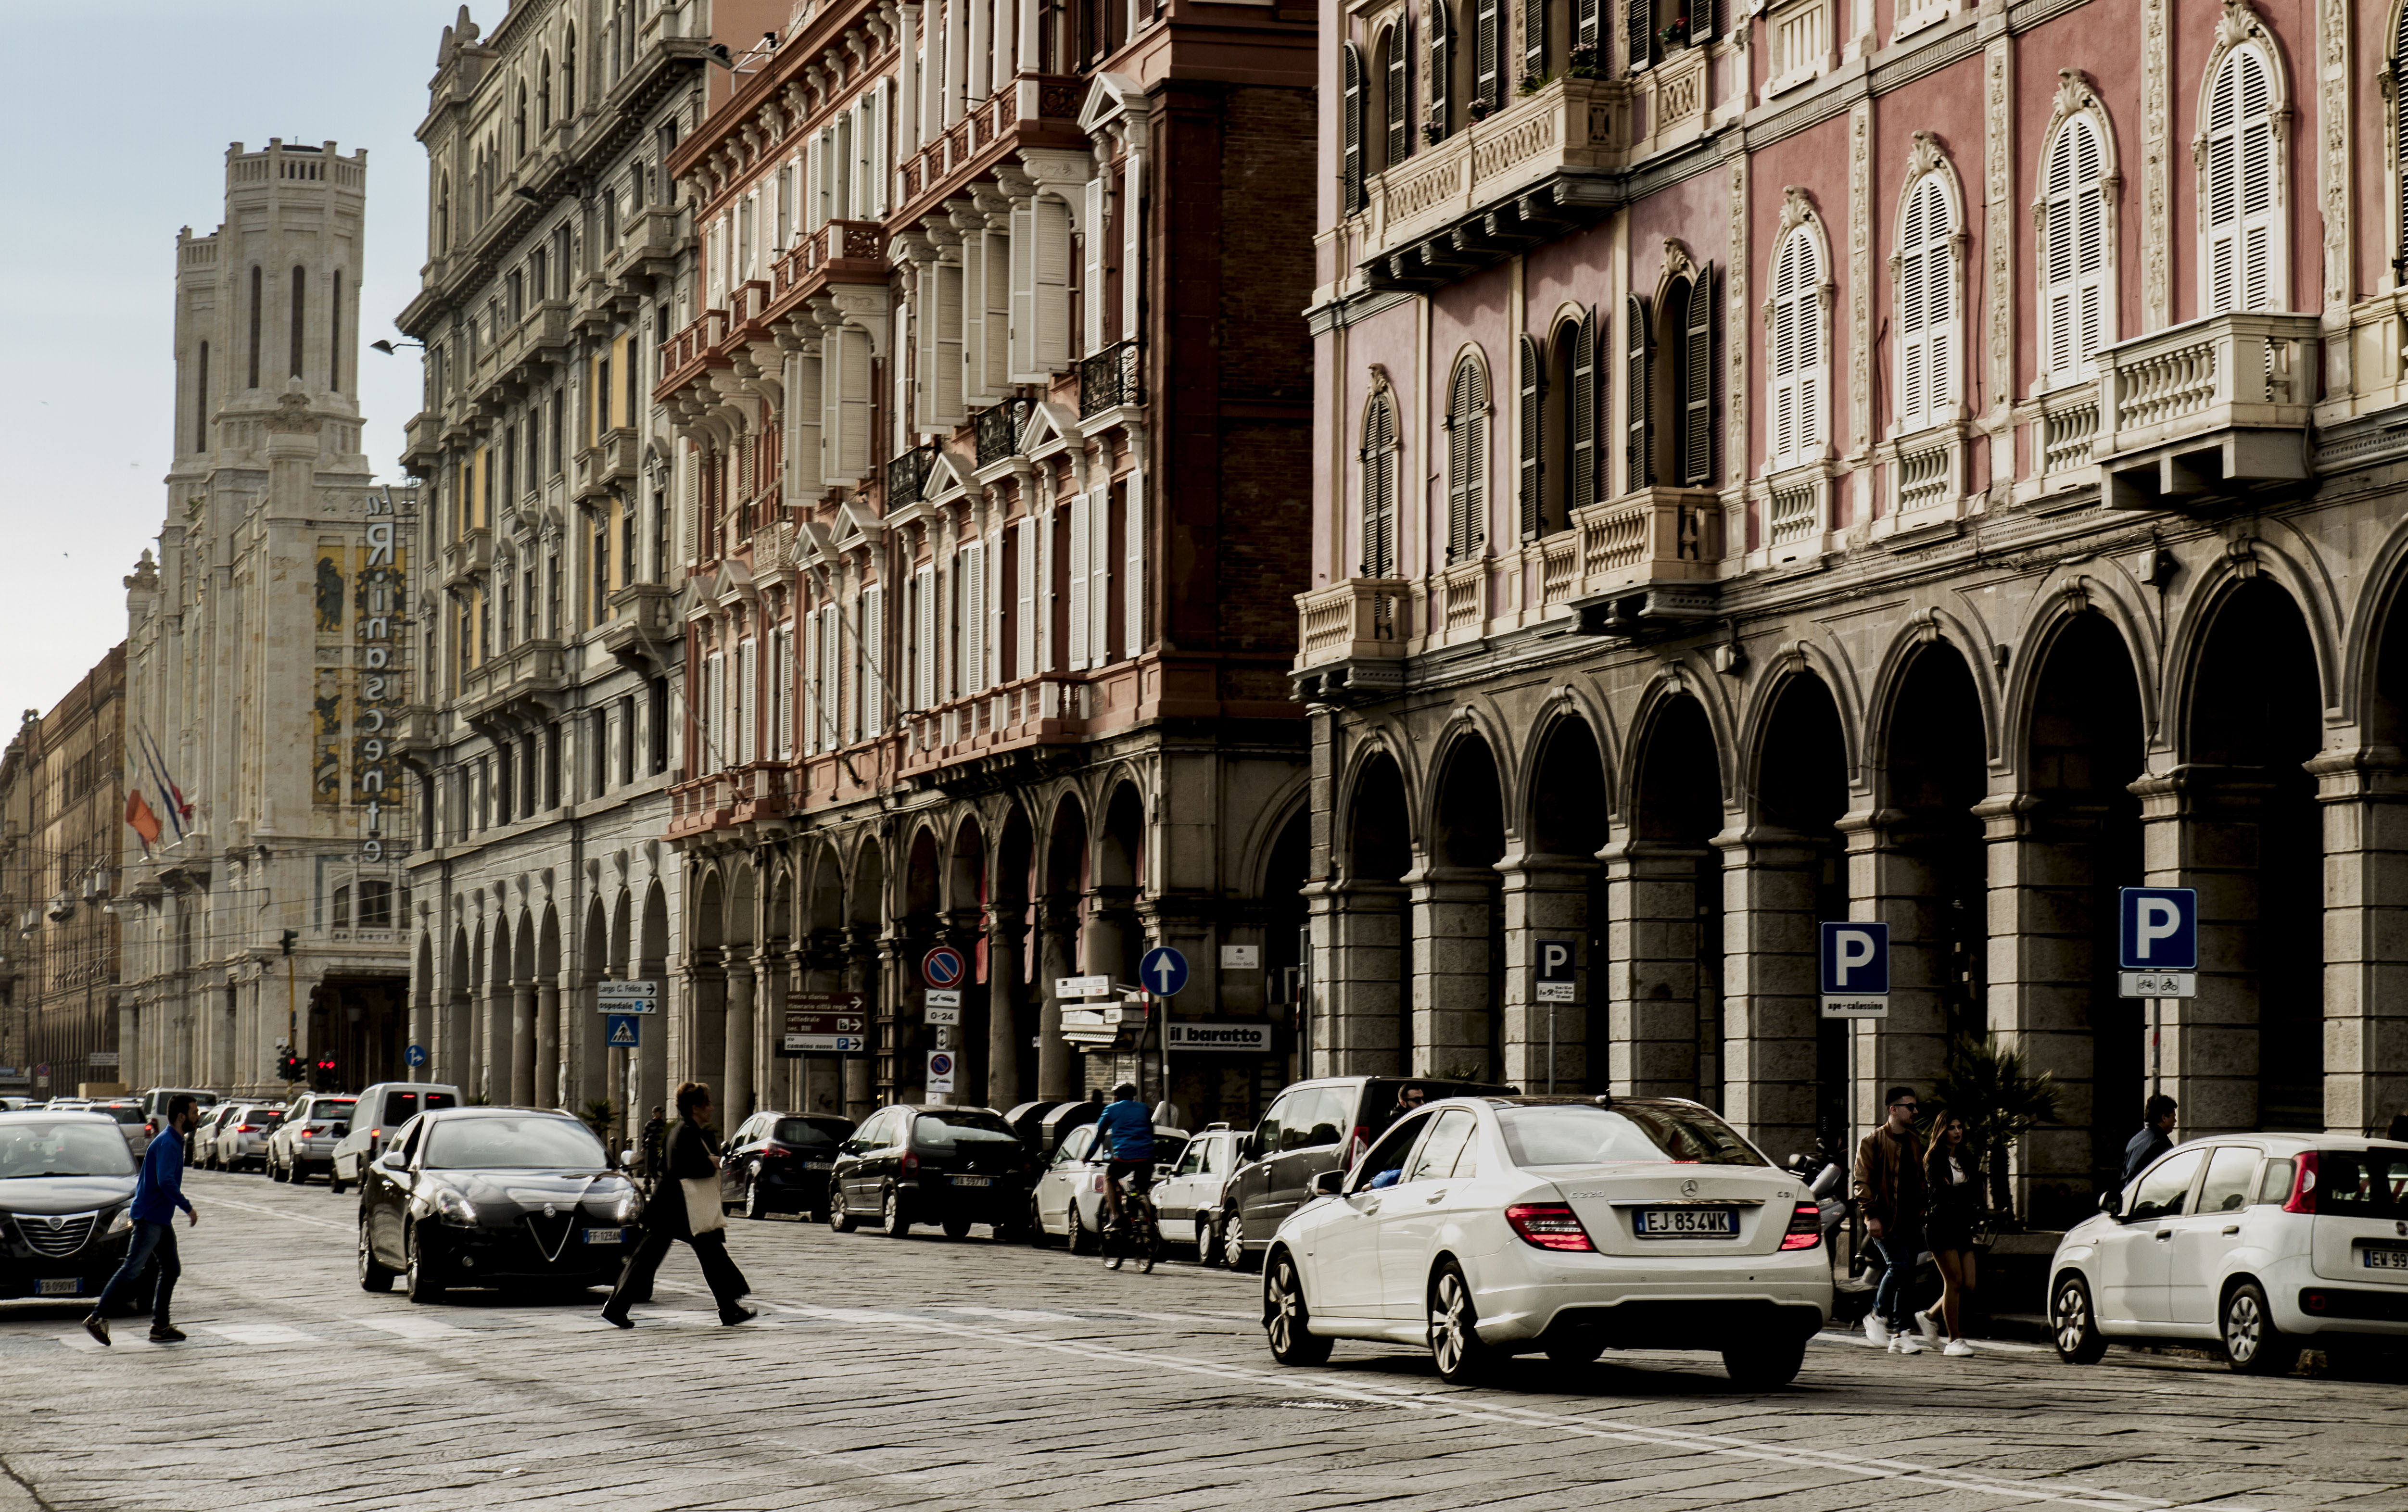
(1068, 1201)
(1191, 1198)
(2259, 1242)
(305, 1139)
(1494, 1226)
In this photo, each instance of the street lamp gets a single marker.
(387, 347)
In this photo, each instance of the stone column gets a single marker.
(1891, 880)
(523, 1046)
(547, 1090)
(1546, 898)
(2365, 798)
(1771, 1011)
(705, 1016)
(1007, 996)
(736, 1090)
(1453, 975)
(2201, 831)
(861, 964)
(498, 1058)
(1651, 978)
(1358, 1012)
(1057, 923)
(776, 979)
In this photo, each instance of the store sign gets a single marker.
(1238, 1036)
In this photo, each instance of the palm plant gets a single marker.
(597, 1117)
(2000, 1098)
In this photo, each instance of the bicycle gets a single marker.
(1139, 1234)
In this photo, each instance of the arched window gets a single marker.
(2077, 284)
(1638, 396)
(569, 74)
(1467, 458)
(1442, 88)
(1379, 458)
(1487, 56)
(1392, 84)
(1927, 304)
(1349, 178)
(519, 123)
(1798, 423)
(543, 94)
(300, 303)
(1570, 403)
(2400, 144)
(1689, 332)
(443, 215)
(1530, 464)
(2241, 188)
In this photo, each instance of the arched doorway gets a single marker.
(1666, 878)
(1555, 896)
(1788, 1074)
(1360, 1019)
(1459, 923)
(1931, 870)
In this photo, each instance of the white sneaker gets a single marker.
(1930, 1327)
(1877, 1331)
(1905, 1344)
(1957, 1348)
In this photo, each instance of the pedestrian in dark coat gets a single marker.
(653, 1150)
(1888, 1191)
(2156, 1137)
(1951, 1182)
(684, 1206)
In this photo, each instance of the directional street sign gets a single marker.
(1555, 972)
(943, 967)
(626, 1032)
(836, 1044)
(414, 1057)
(826, 1023)
(940, 1071)
(1164, 970)
(1855, 970)
(628, 998)
(2157, 942)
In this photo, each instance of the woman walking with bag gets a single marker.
(1953, 1178)
(685, 1206)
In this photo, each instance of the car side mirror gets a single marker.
(626, 1160)
(1328, 1183)
(2112, 1203)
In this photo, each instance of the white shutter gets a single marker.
(922, 318)
(1797, 346)
(1091, 226)
(844, 443)
(969, 571)
(1050, 347)
(714, 737)
(1926, 296)
(1021, 348)
(1080, 642)
(945, 372)
(2242, 193)
(1024, 553)
(925, 648)
(1132, 641)
(1099, 577)
(803, 478)
(975, 393)
(862, 169)
(993, 293)
(789, 639)
(1049, 654)
(873, 659)
(812, 691)
(831, 684)
(743, 706)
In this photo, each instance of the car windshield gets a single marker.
(2362, 1183)
(66, 1147)
(1582, 1133)
(948, 1127)
(803, 1131)
(534, 1142)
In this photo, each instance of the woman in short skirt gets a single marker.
(1953, 1178)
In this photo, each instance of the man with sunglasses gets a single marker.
(1889, 1192)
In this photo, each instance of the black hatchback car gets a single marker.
(66, 1187)
(920, 1163)
(494, 1196)
(1316, 1126)
(778, 1163)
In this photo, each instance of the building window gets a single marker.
(343, 906)
(1638, 396)
(569, 75)
(300, 310)
(1487, 57)
(1395, 74)
(519, 123)
(1569, 421)
(1351, 166)
(255, 283)
(543, 94)
(1800, 422)
(201, 405)
(1379, 459)
(1927, 305)
(376, 904)
(1801, 44)
(2077, 290)
(1530, 417)
(1690, 317)
(2240, 187)
(1442, 89)
(1467, 459)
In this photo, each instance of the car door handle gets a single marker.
(1369, 1209)
(1435, 1197)
(2231, 1228)
(2165, 1233)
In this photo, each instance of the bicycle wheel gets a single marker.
(1149, 1241)
(1116, 1243)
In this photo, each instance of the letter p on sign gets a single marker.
(2160, 929)
(1856, 958)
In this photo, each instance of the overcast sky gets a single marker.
(121, 115)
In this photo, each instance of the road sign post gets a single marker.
(1553, 973)
(943, 967)
(1855, 970)
(625, 1031)
(2157, 942)
(941, 1073)
(628, 997)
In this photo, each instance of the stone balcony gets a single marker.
(468, 560)
(530, 673)
(644, 634)
(1351, 639)
(2210, 409)
(1032, 110)
(1522, 176)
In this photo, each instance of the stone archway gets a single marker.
(1554, 896)
(1665, 882)
(1458, 938)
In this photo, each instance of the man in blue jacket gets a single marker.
(1124, 1137)
(158, 1191)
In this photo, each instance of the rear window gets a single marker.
(802, 1132)
(945, 1128)
(122, 1112)
(399, 1108)
(2362, 1183)
(333, 1107)
(270, 1115)
(1587, 1135)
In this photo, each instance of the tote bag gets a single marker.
(703, 1212)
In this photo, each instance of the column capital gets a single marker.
(2362, 774)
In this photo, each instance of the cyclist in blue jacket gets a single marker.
(1124, 1133)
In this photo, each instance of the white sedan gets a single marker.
(2257, 1242)
(1068, 1198)
(1494, 1226)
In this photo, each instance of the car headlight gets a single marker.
(122, 1222)
(453, 1208)
(629, 1206)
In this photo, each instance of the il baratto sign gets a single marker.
(1221, 1034)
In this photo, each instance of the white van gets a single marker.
(383, 1107)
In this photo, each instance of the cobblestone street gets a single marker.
(927, 1373)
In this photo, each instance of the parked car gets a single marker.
(16, 1105)
(127, 1114)
(2260, 1242)
(205, 1135)
(778, 1163)
(1486, 1227)
(155, 1106)
(241, 1140)
(66, 1191)
(305, 1139)
(494, 1196)
(1067, 1198)
(1190, 1200)
(381, 1108)
(1312, 1127)
(919, 1163)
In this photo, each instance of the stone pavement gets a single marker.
(924, 1372)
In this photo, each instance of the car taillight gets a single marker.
(1357, 1144)
(244, 1128)
(2304, 1184)
(1549, 1225)
(773, 1152)
(911, 1162)
(1805, 1227)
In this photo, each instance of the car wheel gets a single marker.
(838, 1218)
(1079, 1241)
(1037, 1236)
(1286, 1319)
(755, 1207)
(1454, 1329)
(891, 1217)
(373, 1277)
(2072, 1323)
(275, 1169)
(957, 1228)
(335, 1184)
(423, 1282)
(2251, 1341)
(1233, 1245)
(1208, 1239)
(1762, 1365)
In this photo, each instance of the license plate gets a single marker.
(65, 1285)
(604, 1235)
(973, 1181)
(819, 1165)
(2386, 1260)
(1688, 1222)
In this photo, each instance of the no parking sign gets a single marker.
(940, 1071)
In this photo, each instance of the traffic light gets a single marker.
(321, 1074)
(287, 1066)
(290, 936)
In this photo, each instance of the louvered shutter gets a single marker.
(971, 567)
(1580, 416)
(845, 383)
(714, 736)
(1051, 348)
(925, 649)
(748, 703)
(1487, 53)
(1020, 348)
(925, 325)
(831, 675)
(1534, 37)
(2093, 292)
(1638, 32)
(1587, 24)
(1091, 277)
(995, 291)
(811, 692)
(1395, 117)
(2399, 145)
(782, 692)
(1927, 306)
(1442, 90)
(945, 378)
(1024, 562)
(975, 393)
(1458, 470)
(1350, 169)
(1797, 343)
(1379, 489)
(873, 659)
(1698, 384)
(1049, 650)
(1637, 398)
(1100, 647)
(1133, 542)
(803, 476)
(1080, 527)
(1530, 440)
(2241, 186)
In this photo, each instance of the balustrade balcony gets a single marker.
(2208, 409)
(1360, 619)
(998, 429)
(1032, 110)
(1109, 380)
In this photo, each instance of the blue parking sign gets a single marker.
(1856, 958)
(2158, 929)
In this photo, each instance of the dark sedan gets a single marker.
(66, 1184)
(778, 1163)
(916, 1163)
(494, 1196)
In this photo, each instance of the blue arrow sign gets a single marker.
(1164, 970)
(414, 1057)
(2158, 928)
(626, 1032)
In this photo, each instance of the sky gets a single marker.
(121, 115)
